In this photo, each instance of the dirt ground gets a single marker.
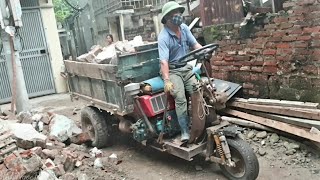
(138, 162)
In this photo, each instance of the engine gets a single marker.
(154, 106)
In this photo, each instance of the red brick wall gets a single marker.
(279, 57)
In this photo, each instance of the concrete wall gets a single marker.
(277, 57)
(52, 36)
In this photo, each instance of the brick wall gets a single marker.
(276, 57)
(144, 31)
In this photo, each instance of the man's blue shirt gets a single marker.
(170, 47)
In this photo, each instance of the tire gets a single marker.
(247, 161)
(93, 121)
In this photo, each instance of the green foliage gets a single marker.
(62, 10)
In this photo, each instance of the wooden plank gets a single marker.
(307, 123)
(91, 70)
(283, 103)
(275, 124)
(288, 111)
(246, 123)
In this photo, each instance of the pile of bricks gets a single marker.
(277, 54)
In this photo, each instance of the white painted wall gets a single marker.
(52, 36)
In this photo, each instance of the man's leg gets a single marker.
(179, 95)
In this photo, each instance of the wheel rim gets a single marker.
(88, 127)
(239, 169)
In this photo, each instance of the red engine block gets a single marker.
(154, 105)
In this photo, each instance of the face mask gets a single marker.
(177, 19)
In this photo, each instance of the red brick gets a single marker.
(302, 51)
(288, 5)
(270, 45)
(257, 63)
(269, 52)
(283, 58)
(315, 35)
(222, 63)
(274, 39)
(315, 43)
(241, 58)
(296, 18)
(297, 30)
(217, 58)
(263, 34)
(259, 77)
(316, 52)
(311, 69)
(256, 69)
(279, 20)
(244, 68)
(253, 51)
(278, 33)
(247, 85)
(312, 29)
(270, 69)
(258, 45)
(300, 44)
(242, 63)
(270, 26)
(306, 2)
(300, 10)
(289, 38)
(270, 63)
(228, 58)
(283, 46)
(303, 38)
(220, 75)
(286, 25)
(284, 52)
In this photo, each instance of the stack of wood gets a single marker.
(298, 118)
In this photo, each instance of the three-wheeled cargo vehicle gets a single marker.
(130, 93)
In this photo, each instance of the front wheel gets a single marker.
(246, 162)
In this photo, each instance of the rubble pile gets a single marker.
(108, 55)
(47, 146)
(277, 148)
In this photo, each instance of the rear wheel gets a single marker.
(246, 162)
(94, 122)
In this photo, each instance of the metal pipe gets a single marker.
(145, 118)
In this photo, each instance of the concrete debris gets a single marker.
(198, 168)
(47, 175)
(113, 158)
(27, 137)
(261, 135)
(69, 176)
(47, 153)
(290, 152)
(63, 128)
(314, 130)
(290, 146)
(75, 111)
(95, 152)
(83, 177)
(98, 163)
(262, 152)
(25, 117)
(251, 135)
(274, 138)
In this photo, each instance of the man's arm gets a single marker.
(197, 46)
(164, 69)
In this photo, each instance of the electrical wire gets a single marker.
(77, 9)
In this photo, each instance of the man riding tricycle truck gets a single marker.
(157, 110)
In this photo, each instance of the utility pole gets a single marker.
(10, 21)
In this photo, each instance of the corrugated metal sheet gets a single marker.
(34, 59)
(29, 3)
(221, 11)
